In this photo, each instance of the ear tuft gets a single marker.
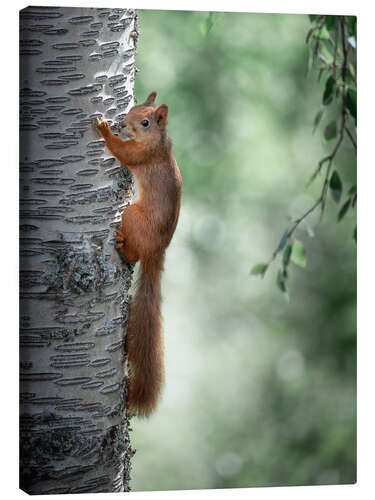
(161, 114)
(150, 101)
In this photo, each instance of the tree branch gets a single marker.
(339, 70)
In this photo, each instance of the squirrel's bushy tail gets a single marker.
(144, 339)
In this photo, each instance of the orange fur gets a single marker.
(146, 230)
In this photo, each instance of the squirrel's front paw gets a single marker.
(102, 126)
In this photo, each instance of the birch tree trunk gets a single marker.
(76, 64)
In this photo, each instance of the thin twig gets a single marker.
(312, 29)
(335, 54)
(331, 158)
(323, 59)
(344, 47)
(351, 137)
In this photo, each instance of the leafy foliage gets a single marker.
(332, 52)
(259, 269)
(298, 255)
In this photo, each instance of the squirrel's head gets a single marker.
(146, 122)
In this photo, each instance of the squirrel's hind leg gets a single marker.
(127, 253)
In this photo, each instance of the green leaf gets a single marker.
(308, 36)
(351, 103)
(344, 209)
(318, 118)
(327, 54)
(330, 131)
(352, 190)
(323, 33)
(286, 255)
(328, 91)
(312, 178)
(281, 281)
(298, 254)
(335, 185)
(259, 269)
(329, 22)
(355, 234)
(351, 22)
(351, 68)
(312, 17)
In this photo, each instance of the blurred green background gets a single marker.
(259, 392)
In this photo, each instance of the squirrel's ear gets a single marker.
(161, 114)
(150, 99)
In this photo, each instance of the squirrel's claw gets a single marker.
(120, 240)
(101, 124)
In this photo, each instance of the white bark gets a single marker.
(76, 64)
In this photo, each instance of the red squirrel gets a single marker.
(146, 229)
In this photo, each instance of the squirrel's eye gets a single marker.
(144, 123)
